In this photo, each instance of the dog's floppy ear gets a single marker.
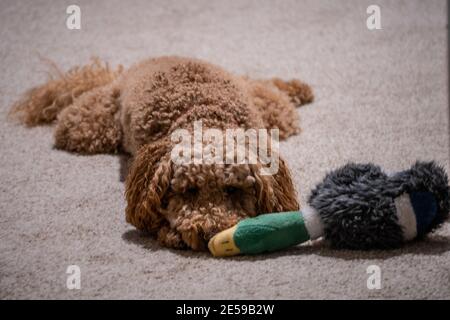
(275, 193)
(146, 183)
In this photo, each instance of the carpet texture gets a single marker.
(381, 96)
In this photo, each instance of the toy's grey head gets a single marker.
(363, 208)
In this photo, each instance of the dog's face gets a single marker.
(205, 199)
(199, 200)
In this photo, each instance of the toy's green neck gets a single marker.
(274, 231)
(268, 232)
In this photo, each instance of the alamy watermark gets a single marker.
(73, 21)
(74, 277)
(232, 146)
(373, 22)
(374, 279)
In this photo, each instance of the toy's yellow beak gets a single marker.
(222, 244)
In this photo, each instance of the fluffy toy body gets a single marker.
(357, 207)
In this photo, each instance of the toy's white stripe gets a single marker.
(313, 223)
(406, 217)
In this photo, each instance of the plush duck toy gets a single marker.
(357, 206)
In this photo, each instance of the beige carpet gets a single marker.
(381, 96)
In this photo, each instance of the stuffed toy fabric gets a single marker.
(357, 206)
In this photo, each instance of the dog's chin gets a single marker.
(197, 235)
(197, 238)
(195, 241)
(196, 226)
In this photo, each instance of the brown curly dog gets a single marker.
(99, 110)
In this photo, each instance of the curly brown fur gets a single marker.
(299, 92)
(275, 107)
(43, 103)
(91, 123)
(100, 110)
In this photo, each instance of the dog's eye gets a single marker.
(192, 191)
(231, 190)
